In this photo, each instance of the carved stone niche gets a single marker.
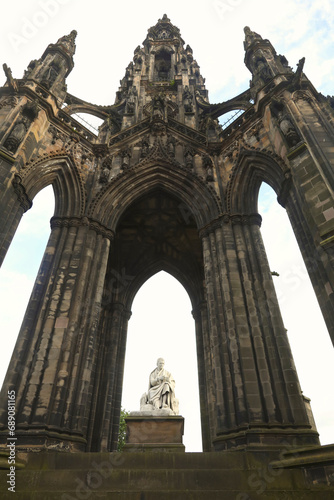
(285, 123)
(188, 100)
(208, 166)
(125, 155)
(105, 170)
(189, 154)
(21, 127)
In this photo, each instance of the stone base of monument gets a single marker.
(154, 431)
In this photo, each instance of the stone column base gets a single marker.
(153, 433)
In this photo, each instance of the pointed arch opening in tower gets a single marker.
(20, 268)
(162, 326)
(162, 66)
(307, 332)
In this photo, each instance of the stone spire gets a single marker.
(163, 30)
(262, 60)
(54, 66)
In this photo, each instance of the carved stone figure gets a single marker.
(158, 108)
(131, 101)
(207, 164)
(285, 123)
(189, 157)
(263, 70)
(50, 76)
(288, 130)
(171, 146)
(145, 147)
(188, 100)
(161, 391)
(126, 155)
(17, 134)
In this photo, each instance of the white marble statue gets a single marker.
(160, 397)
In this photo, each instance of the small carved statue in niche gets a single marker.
(207, 164)
(50, 75)
(161, 391)
(145, 148)
(18, 132)
(189, 158)
(158, 108)
(285, 123)
(17, 135)
(126, 155)
(262, 70)
(188, 100)
(171, 146)
(131, 101)
(105, 172)
(288, 130)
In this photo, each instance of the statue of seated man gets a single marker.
(161, 391)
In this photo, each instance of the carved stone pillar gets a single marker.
(14, 202)
(113, 324)
(204, 375)
(53, 365)
(257, 398)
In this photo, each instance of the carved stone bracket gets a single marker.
(92, 224)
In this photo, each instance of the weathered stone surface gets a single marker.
(163, 187)
(148, 476)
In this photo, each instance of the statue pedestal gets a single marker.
(146, 431)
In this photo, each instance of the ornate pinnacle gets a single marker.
(68, 42)
(251, 36)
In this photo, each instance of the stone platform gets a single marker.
(154, 431)
(234, 475)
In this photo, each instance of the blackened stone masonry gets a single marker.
(163, 187)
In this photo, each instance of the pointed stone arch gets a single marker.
(253, 167)
(198, 198)
(57, 169)
(61, 171)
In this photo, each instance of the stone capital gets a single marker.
(92, 224)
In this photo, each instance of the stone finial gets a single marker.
(250, 37)
(165, 19)
(68, 42)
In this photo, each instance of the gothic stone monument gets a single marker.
(163, 187)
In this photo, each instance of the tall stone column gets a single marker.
(114, 324)
(257, 398)
(53, 365)
(204, 375)
(14, 203)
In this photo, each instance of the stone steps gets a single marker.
(153, 476)
(145, 480)
(176, 495)
(227, 460)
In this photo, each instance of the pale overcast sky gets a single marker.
(108, 33)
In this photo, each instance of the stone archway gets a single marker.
(151, 235)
